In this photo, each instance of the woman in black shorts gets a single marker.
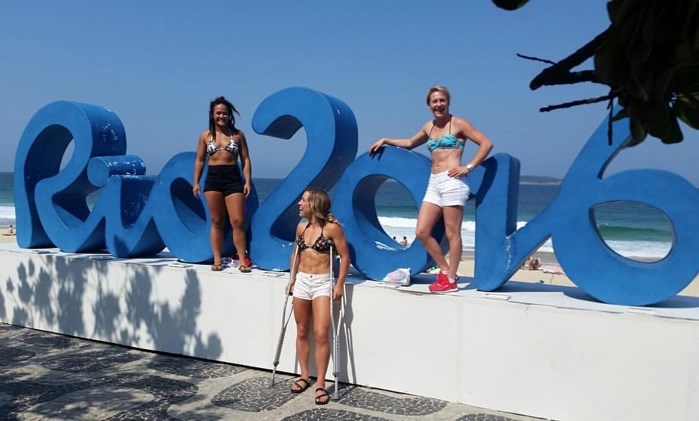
(225, 190)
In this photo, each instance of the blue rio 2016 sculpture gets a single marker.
(135, 214)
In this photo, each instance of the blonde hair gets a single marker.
(438, 88)
(319, 202)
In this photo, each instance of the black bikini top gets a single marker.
(321, 244)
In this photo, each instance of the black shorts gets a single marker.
(224, 178)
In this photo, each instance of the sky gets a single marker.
(158, 64)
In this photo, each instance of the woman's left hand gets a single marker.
(246, 189)
(458, 172)
(338, 291)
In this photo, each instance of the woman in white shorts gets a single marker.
(310, 284)
(447, 192)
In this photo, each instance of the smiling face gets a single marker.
(221, 115)
(438, 103)
(305, 206)
(315, 205)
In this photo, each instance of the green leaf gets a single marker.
(657, 113)
(686, 79)
(649, 59)
(622, 114)
(668, 131)
(638, 132)
(688, 111)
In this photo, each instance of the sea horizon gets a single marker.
(632, 230)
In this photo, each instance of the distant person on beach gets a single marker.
(447, 191)
(225, 190)
(310, 284)
(11, 230)
(404, 241)
(532, 263)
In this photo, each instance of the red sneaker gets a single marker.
(248, 262)
(442, 284)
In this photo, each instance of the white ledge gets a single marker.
(534, 349)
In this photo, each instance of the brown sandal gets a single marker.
(323, 398)
(217, 267)
(244, 269)
(301, 385)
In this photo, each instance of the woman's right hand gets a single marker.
(195, 190)
(376, 146)
(246, 189)
(338, 291)
(290, 288)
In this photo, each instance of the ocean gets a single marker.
(632, 230)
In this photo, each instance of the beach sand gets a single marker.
(551, 273)
(5, 238)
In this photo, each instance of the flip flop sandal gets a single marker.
(244, 269)
(302, 385)
(324, 395)
(217, 268)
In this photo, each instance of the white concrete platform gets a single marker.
(532, 349)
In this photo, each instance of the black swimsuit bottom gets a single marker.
(224, 178)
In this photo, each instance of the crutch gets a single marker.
(335, 328)
(285, 318)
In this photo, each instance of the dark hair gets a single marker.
(231, 111)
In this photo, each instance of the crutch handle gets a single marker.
(285, 320)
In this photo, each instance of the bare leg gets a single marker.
(453, 216)
(302, 314)
(215, 202)
(426, 219)
(235, 204)
(321, 325)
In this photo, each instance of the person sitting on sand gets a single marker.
(11, 230)
(532, 263)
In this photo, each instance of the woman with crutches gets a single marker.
(311, 284)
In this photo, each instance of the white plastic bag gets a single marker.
(400, 276)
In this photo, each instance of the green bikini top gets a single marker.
(446, 141)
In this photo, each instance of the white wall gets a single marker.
(539, 350)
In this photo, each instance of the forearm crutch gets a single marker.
(335, 328)
(285, 318)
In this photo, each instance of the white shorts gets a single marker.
(309, 286)
(443, 190)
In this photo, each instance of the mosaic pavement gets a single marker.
(49, 376)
